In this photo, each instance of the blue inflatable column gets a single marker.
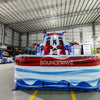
(38, 50)
(45, 39)
(70, 49)
(1, 56)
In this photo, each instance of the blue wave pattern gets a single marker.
(80, 79)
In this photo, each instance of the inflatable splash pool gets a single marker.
(55, 67)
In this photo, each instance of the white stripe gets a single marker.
(79, 77)
(54, 55)
(55, 69)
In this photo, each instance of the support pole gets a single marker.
(2, 36)
(81, 40)
(94, 37)
(12, 37)
(72, 35)
(81, 37)
(19, 40)
(36, 37)
(27, 42)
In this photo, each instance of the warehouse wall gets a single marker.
(24, 40)
(32, 38)
(73, 34)
(97, 36)
(11, 38)
(35, 37)
(8, 36)
(16, 39)
(0, 32)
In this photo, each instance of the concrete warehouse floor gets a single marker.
(6, 93)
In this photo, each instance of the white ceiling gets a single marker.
(33, 15)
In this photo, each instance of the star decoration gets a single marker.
(54, 46)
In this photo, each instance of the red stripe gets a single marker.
(49, 34)
(58, 61)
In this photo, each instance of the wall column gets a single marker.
(3, 35)
(12, 37)
(19, 40)
(94, 37)
(27, 42)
